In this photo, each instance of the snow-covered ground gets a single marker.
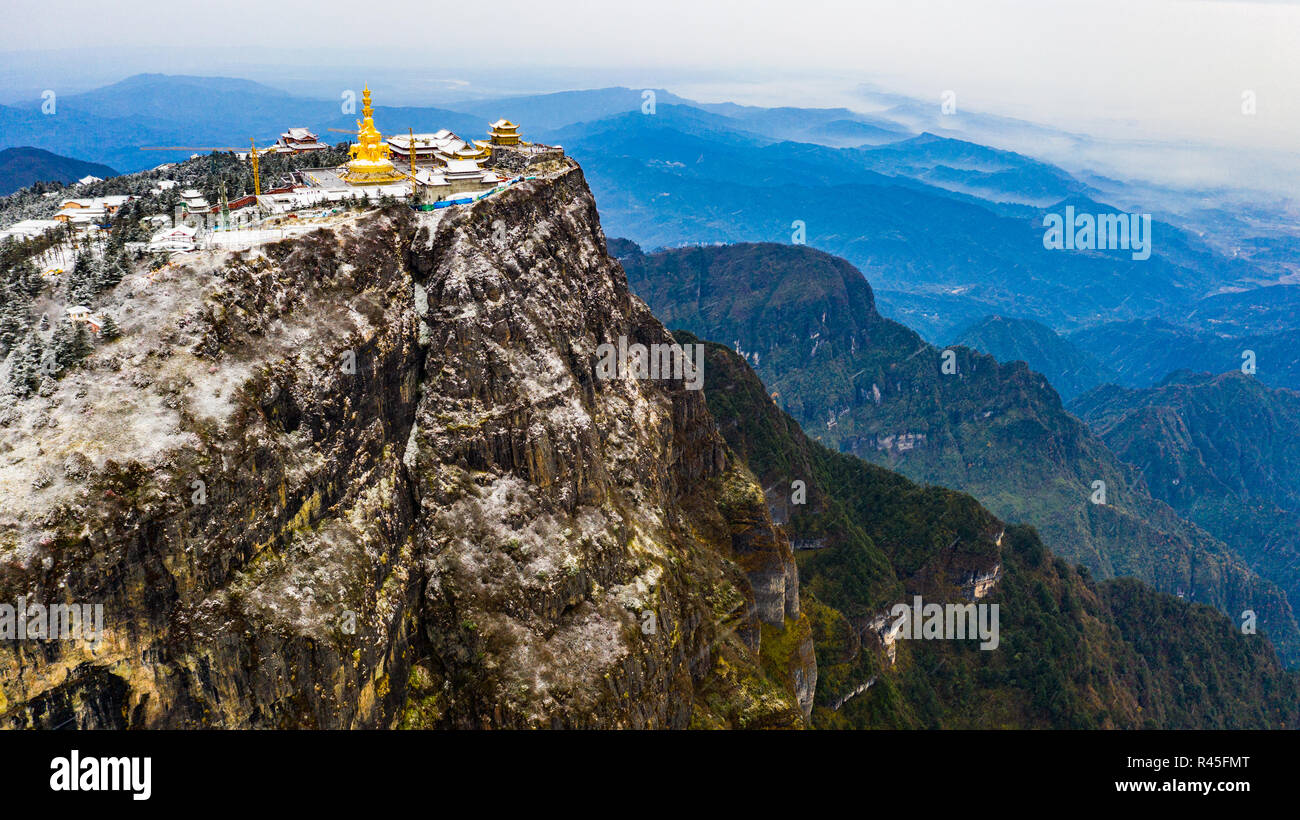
(125, 401)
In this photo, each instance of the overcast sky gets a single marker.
(1158, 68)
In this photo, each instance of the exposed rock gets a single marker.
(371, 479)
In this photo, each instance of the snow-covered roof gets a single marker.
(28, 228)
(178, 232)
(425, 176)
(34, 225)
(442, 140)
(101, 202)
(462, 166)
(81, 214)
(403, 141)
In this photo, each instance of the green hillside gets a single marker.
(867, 386)
(1073, 652)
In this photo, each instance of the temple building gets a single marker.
(462, 180)
(465, 175)
(298, 141)
(477, 150)
(108, 204)
(82, 217)
(193, 201)
(508, 152)
(370, 164)
(430, 149)
(504, 132)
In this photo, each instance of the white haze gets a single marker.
(1163, 71)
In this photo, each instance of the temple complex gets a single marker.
(429, 170)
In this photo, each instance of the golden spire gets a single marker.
(370, 163)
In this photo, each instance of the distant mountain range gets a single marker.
(1222, 450)
(862, 384)
(112, 123)
(948, 230)
(1069, 369)
(20, 167)
(1144, 351)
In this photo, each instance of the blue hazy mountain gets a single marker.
(20, 167)
(1219, 449)
(110, 124)
(1070, 370)
(1259, 310)
(1143, 351)
(949, 231)
(836, 127)
(962, 123)
(940, 257)
(989, 173)
(544, 112)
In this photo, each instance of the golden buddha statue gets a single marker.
(370, 164)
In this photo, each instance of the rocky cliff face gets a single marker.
(369, 477)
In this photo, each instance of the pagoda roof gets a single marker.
(463, 166)
(426, 177)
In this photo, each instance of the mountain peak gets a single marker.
(161, 82)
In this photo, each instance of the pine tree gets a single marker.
(13, 320)
(81, 345)
(82, 280)
(109, 330)
(26, 373)
(27, 279)
(110, 273)
(71, 344)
